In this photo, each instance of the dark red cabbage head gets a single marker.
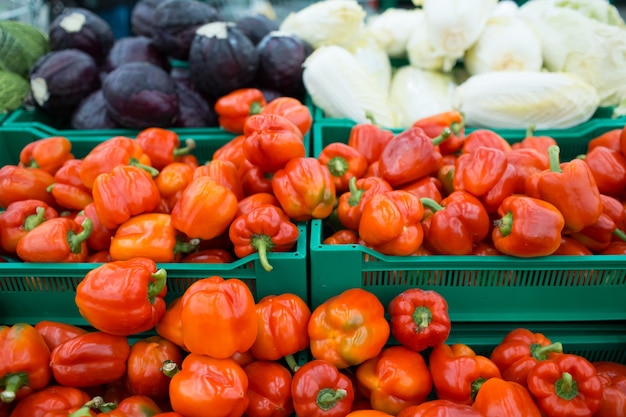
(142, 17)
(256, 26)
(92, 113)
(194, 110)
(135, 49)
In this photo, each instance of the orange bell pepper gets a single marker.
(56, 240)
(342, 237)
(68, 190)
(21, 217)
(608, 168)
(234, 108)
(131, 406)
(305, 189)
(439, 408)
(202, 196)
(206, 383)
(170, 326)
(24, 358)
(391, 223)
(232, 151)
(350, 204)
(100, 237)
(173, 179)
(271, 141)
(293, 110)
(484, 138)
(369, 140)
(269, 390)
(397, 378)
(253, 201)
(163, 146)
(152, 236)
(349, 328)
(344, 162)
(220, 307)
(433, 125)
(264, 229)
(124, 192)
(282, 326)
(19, 183)
(48, 154)
(123, 297)
(497, 397)
(224, 172)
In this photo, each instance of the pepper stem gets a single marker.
(554, 155)
(431, 204)
(327, 398)
(530, 131)
(151, 170)
(185, 247)
(84, 411)
(338, 166)
(566, 387)
(476, 386)
(255, 108)
(505, 223)
(76, 240)
(542, 352)
(620, 234)
(456, 127)
(356, 194)
(155, 287)
(291, 362)
(445, 134)
(169, 368)
(422, 316)
(263, 244)
(34, 220)
(12, 383)
(190, 145)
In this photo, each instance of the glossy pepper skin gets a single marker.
(293, 110)
(68, 190)
(51, 401)
(269, 390)
(344, 162)
(608, 168)
(234, 108)
(163, 146)
(232, 151)
(123, 297)
(149, 235)
(20, 183)
(254, 180)
(609, 139)
(55, 332)
(89, 360)
(477, 172)
(208, 256)
(170, 326)
(100, 237)
(571, 188)
(456, 224)
(264, 229)
(599, 235)
(217, 306)
(342, 237)
(519, 351)
(484, 138)
(56, 240)
(497, 397)
(24, 357)
(271, 141)
(253, 201)
(21, 217)
(527, 227)
(411, 155)
(369, 140)
(133, 406)
(48, 153)
(391, 223)
(204, 195)
(439, 408)
(305, 189)
(225, 173)
(173, 179)
(349, 328)
(319, 389)
(206, 383)
(566, 385)
(282, 326)
(613, 377)
(458, 372)
(397, 378)
(350, 203)
(433, 125)
(419, 318)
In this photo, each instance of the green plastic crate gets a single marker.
(35, 291)
(478, 288)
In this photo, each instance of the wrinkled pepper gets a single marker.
(527, 162)
(350, 204)
(123, 297)
(433, 125)
(21, 217)
(269, 390)
(232, 151)
(54, 332)
(132, 406)
(225, 173)
(24, 357)
(395, 379)
(348, 328)
(342, 237)
(566, 385)
(52, 401)
(48, 154)
(370, 140)
(163, 146)
(486, 138)
(68, 190)
(173, 179)
(439, 408)
(19, 183)
(264, 229)
(293, 110)
(56, 240)
(234, 108)
(497, 398)
(613, 377)
(477, 172)
(344, 162)
(253, 201)
(254, 180)
(419, 318)
(429, 187)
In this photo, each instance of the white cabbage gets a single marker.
(371, 55)
(519, 99)
(505, 8)
(328, 22)
(394, 27)
(340, 86)
(600, 10)
(417, 93)
(577, 44)
(421, 53)
(507, 43)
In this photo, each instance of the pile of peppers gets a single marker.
(215, 351)
(434, 189)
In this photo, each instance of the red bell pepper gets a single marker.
(527, 162)
(419, 318)
(132, 406)
(458, 372)
(163, 146)
(264, 229)
(56, 240)
(234, 108)
(344, 162)
(433, 125)
(484, 138)
(566, 385)
(613, 377)
(350, 204)
(21, 217)
(48, 154)
(598, 236)
(68, 190)
(100, 237)
(253, 201)
(477, 172)
(269, 390)
(519, 351)
(439, 408)
(342, 237)
(608, 168)
(293, 110)
(232, 151)
(397, 378)
(429, 187)
(208, 256)
(24, 357)
(52, 401)
(540, 143)
(609, 139)
(497, 398)
(254, 180)
(318, 389)
(19, 183)
(571, 246)
(54, 332)
(123, 297)
(369, 140)
(224, 172)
